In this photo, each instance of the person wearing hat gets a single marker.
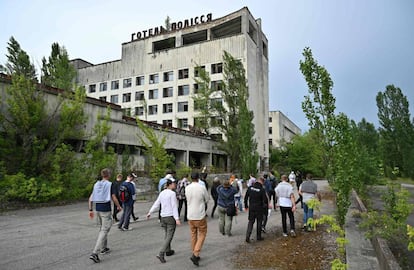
(123, 224)
(226, 194)
(167, 200)
(162, 186)
(197, 198)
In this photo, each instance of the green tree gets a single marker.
(58, 71)
(158, 160)
(202, 105)
(319, 105)
(396, 131)
(18, 62)
(230, 115)
(305, 154)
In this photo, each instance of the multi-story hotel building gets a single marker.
(281, 129)
(155, 77)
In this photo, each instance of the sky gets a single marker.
(364, 45)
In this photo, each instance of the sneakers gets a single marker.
(263, 230)
(285, 235)
(247, 240)
(292, 233)
(105, 251)
(170, 253)
(95, 258)
(195, 260)
(161, 258)
(125, 229)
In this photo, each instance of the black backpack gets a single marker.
(124, 194)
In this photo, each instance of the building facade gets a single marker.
(281, 129)
(155, 78)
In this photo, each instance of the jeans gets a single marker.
(239, 203)
(169, 225)
(307, 213)
(105, 220)
(225, 221)
(287, 210)
(214, 207)
(126, 215)
(180, 206)
(198, 230)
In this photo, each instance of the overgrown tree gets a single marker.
(58, 71)
(18, 62)
(230, 116)
(158, 160)
(396, 130)
(319, 105)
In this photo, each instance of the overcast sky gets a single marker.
(365, 45)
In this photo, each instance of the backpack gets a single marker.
(124, 194)
(181, 190)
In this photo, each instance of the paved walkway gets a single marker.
(63, 237)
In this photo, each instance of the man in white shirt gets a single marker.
(284, 191)
(197, 198)
(169, 217)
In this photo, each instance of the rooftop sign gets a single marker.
(174, 26)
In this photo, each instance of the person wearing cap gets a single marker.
(197, 198)
(226, 194)
(101, 195)
(123, 224)
(161, 187)
(167, 200)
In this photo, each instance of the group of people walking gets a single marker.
(193, 196)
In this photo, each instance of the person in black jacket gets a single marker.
(214, 194)
(255, 200)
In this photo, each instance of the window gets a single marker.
(216, 68)
(139, 80)
(167, 92)
(153, 94)
(198, 69)
(217, 137)
(216, 102)
(196, 87)
(114, 85)
(183, 90)
(153, 109)
(153, 78)
(114, 98)
(270, 130)
(126, 97)
(139, 95)
(102, 87)
(270, 119)
(183, 74)
(167, 108)
(168, 76)
(182, 106)
(217, 85)
(270, 142)
(92, 88)
(216, 121)
(127, 82)
(126, 111)
(139, 111)
(102, 98)
(182, 123)
(167, 123)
